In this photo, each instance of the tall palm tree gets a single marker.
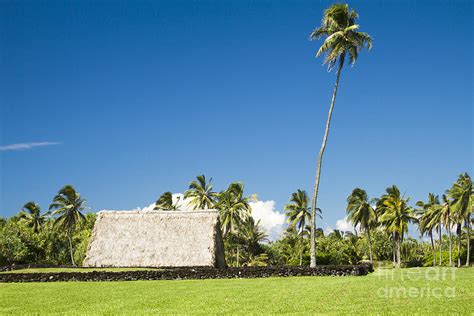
(429, 219)
(31, 214)
(234, 207)
(360, 212)
(299, 215)
(436, 221)
(290, 248)
(165, 203)
(395, 214)
(67, 207)
(461, 192)
(200, 193)
(342, 39)
(446, 220)
(251, 235)
(469, 222)
(351, 237)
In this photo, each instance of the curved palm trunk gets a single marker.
(394, 243)
(370, 245)
(433, 248)
(468, 225)
(450, 245)
(301, 249)
(318, 167)
(238, 255)
(440, 246)
(71, 252)
(399, 258)
(459, 230)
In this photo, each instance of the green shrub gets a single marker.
(428, 258)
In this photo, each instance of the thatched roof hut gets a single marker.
(156, 239)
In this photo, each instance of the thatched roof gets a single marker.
(156, 239)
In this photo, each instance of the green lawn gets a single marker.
(54, 270)
(344, 295)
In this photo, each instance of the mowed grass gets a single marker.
(56, 270)
(448, 293)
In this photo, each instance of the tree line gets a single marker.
(61, 234)
(49, 237)
(381, 227)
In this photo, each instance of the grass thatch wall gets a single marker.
(156, 239)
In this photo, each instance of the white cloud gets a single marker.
(341, 225)
(328, 230)
(146, 208)
(270, 219)
(183, 204)
(344, 225)
(25, 146)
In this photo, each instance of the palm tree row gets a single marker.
(392, 213)
(65, 211)
(453, 213)
(232, 204)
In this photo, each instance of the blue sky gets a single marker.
(142, 96)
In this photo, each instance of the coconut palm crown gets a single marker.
(165, 203)
(298, 210)
(31, 214)
(361, 213)
(341, 34)
(234, 207)
(200, 194)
